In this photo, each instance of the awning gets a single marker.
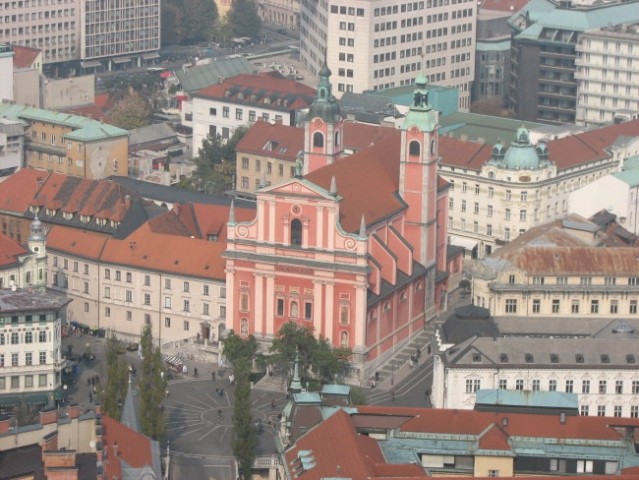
(122, 60)
(150, 56)
(90, 64)
(466, 243)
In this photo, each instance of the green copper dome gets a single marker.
(421, 114)
(521, 154)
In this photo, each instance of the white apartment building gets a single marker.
(384, 44)
(601, 370)
(239, 101)
(120, 32)
(498, 193)
(607, 74)
(6, 72)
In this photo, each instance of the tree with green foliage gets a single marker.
(188, 22)
(132, 111)
(114, 392)
(315, 355)
(237, 348)
(244, 438)
(152, 387)
(215, 164)
(244, 19)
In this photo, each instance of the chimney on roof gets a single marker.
(562, 418)
(279, 121)
(504, 422)
(127, 201)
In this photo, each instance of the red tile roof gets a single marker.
(89, 111)
(494, 439)
(19, 189)
(283, 94)
(272, 140)
(82, 243)
(9, 252)
(341, 452)
(367, 181)
(121, 444)
(566, 152)
(23, 57)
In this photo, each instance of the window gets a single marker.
(594, 306)
(523, 215)
(129, 315)
(308, 310)
(225, 112)
(602, 386)
(562, 280)
(619, 386)
(491, 192)
(489, 211)
(147, 299)
(147, 280)
(633, 281)
(464, 187)
(15, 382)
(507, 214)
(584, 466)
(536, 306)
(519, 384)
(14, 359)
(28, 337)
(42, 357)
(279, 307)
(187, 305)
(118, 275)
(129, 277)
(205, 290)
(503, 384)
(463, 205)
(129, 295)
(15, 339)
(477, 189)
(585, 281)
(555, 305)
(601, 410)
(633, 307)
(42, 336)
(42, 380)
(473, 385)
(296, 232)
(634, 411)
(509, 195)
(585, 386)
(584, 410)
(186, 287)
(205, 309)
(552, 385)
(344, 314)
(493, 473)
(610, 281)
(107, 311)
(574, 307)
(167, 283)
(511, 305)
(167, 322)
(186, 325)
(635, 386)
(569, 386)
(614, 306)
(536, 385)
(167, 302)
(244, 302)
(28, 381)
(476, 208)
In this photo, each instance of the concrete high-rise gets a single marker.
(384, 44)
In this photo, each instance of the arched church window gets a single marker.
(337, 139)
(28, 277)
(296, 232)
(318, 140)
(414, 149)
(294, 309)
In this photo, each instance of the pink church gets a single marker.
(354, 245)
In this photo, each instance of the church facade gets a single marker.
(354, 245)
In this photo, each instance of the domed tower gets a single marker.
(418, 173)
(521, 154)
(35, 271)
(324, 128)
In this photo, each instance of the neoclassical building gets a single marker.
(354, 246)
(498, 192)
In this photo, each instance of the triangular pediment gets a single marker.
(297, 187)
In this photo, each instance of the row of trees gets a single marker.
(189, 22)
(151, 384)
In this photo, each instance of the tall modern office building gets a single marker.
(375, 45)
(544, 51)
(88, 34)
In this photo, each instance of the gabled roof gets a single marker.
(9, 252)
(201, 76)
(125, 448)
(156, 132)
(267, 90)
(272, 140)
(367, 181)
(23, 57)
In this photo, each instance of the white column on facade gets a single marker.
(318, 303)
(270, 304)
(258, 307)
(360, 315)
(330, 241)
(329, 301)
(319, 231)
(271, 221)
(230, 297)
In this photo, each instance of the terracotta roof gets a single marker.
(9, 251)
(121, 444)
(566, 152)
(283, 94)
(82, 243)
(360, 136)
(23, 57)
(503, 5)
(494, 439)
(89, 111)
(272, 140)
(367, 181)
(619, 261)
(19, 189)
(341, 452)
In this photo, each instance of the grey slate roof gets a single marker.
(195, 78)
(151, 134)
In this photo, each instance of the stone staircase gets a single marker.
(401, 358)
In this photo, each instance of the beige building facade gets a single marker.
(385, 44)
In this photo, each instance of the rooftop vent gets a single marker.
(605, 358)
(503, 358)
(579, 358)
(554, 358)
(630, 358)
(529, 358)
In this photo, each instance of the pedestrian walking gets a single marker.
(213, 376)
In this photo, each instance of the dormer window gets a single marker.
(240, 96)
(67, 215)
(85, 218)
(267, 100)
(50, 212)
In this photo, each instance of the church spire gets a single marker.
(37, 231)
(232, 214)
(325, 105)
(296, 383)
